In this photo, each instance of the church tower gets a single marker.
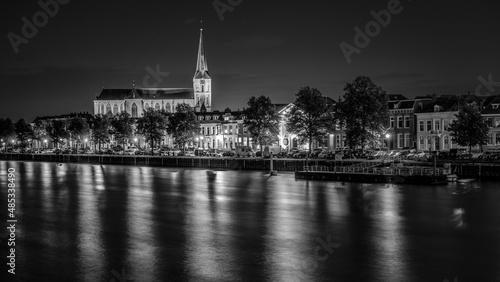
(202, 83)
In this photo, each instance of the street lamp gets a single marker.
(387, 136)
(45, 141)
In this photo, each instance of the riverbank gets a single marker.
(462, 168)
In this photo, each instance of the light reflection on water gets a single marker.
(80, 222)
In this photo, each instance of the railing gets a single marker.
(316, 168)
(391, 171)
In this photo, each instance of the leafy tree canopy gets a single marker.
(183, 125)
(312, 116)
(262, 120)
(469, 129)
(152, 125)
(363, 111)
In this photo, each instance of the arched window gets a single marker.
(157, 106)
(121, 108)
(167, 107)
(146, 106)
(134, 110)
(115, 108)
(101, 109)
(108, 108)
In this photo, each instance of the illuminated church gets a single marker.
(136, 100)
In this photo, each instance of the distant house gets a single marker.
(491, 113)
(433, 120)
(402, 121)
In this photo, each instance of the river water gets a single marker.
(83, 222)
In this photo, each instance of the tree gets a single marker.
(363, 112)
(469, 129)
(312, 116)
(23, 131)
(56, 129)
(183, 125)
(152, 126)
(101, 130)
(122, 127)
(262, 120)
(7, 130)
(39, 130)
(79, 128)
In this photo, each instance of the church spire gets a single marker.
(201, 64)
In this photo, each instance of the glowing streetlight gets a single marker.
(387, 136)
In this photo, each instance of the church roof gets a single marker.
(201, 63)
(146, 94)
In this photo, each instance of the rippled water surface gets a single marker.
(81, 222)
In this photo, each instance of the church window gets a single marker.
(134, 110)
(167, 107)
(157, 106)
(101, 109)
(108, 108)
(115, 108)
(146, 106)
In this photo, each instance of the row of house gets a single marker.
(423, 122)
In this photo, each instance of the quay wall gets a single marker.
(461, 168)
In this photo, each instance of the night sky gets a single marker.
(260, 48)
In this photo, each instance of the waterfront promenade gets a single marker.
(463, 168)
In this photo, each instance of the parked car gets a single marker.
(229, 154)
(300, 155)
(376, 155)
(140, 152)
(360, 154)
(494, 156)
(291, 153)
(282, 154)
(324, 154)
(412, 154)
(315, 153)
(459, 154)
(215, 153)
(268, 150)
(129, 152)
(443, 155)
(402, 154)
(421, 156)
(244, 151)
(200, 152)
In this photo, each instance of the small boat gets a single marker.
(211, 173)
(465, 180)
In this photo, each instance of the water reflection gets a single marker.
(80, 222)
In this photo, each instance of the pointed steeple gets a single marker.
(201, 63)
